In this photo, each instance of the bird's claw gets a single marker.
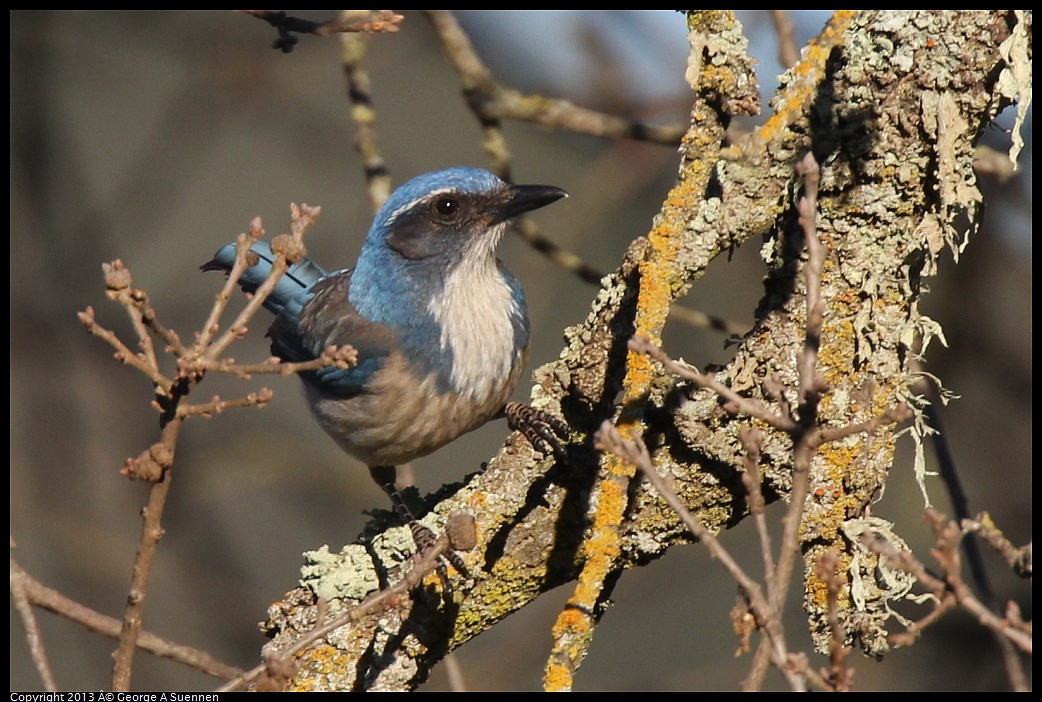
(425, 540)
(543, 430)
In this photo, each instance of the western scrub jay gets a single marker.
(440, 325)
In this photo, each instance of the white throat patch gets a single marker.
(477, 313)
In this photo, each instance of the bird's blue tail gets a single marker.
(294, 281)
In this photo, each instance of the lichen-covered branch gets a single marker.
(890, 104)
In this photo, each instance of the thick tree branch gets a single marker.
(883, 222)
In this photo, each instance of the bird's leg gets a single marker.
(386, 477)
(542, 429)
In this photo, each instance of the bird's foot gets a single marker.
(385, 477)
(426, 541)
(543, 430)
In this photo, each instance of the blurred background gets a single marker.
(155, 137)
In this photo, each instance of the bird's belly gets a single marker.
(400, 417)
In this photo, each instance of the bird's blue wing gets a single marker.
(312, 312)
(323, 317)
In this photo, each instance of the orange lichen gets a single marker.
(806, 74)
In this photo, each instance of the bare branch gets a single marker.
(788, 54)
(33, 592)
(608, 438)
(287, 26)
(951, 586)
(493, 102)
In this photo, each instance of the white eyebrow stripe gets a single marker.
(423, 198)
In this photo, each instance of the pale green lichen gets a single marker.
(348, 574)
(1015, 79)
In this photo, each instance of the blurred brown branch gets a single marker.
(287, 26)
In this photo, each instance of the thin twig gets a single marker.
(242, 246)
(970, 546)
(788, 54)
(119, 283)
(38, 594)
(171, 399)
(806, 439)
(379, 601)
(951, 585)
(287, 249)
(491, 101)
(454, 672)
(363, 112)
(751, 440)
(735, 402)
(332, 356)
(287, 26)
(608, 438)
(758, 668)
(151, 532)
(1019, 559)
(259, 399)
(953, 484)
(839, 675)
(124, 354)
(810, 387)
(23, 605)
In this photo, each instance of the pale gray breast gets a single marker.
(401, 417)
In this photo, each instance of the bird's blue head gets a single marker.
(436, 223)
(445, 213)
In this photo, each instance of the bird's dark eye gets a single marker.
(446, 206)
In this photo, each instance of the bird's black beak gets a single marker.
(519, 199)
